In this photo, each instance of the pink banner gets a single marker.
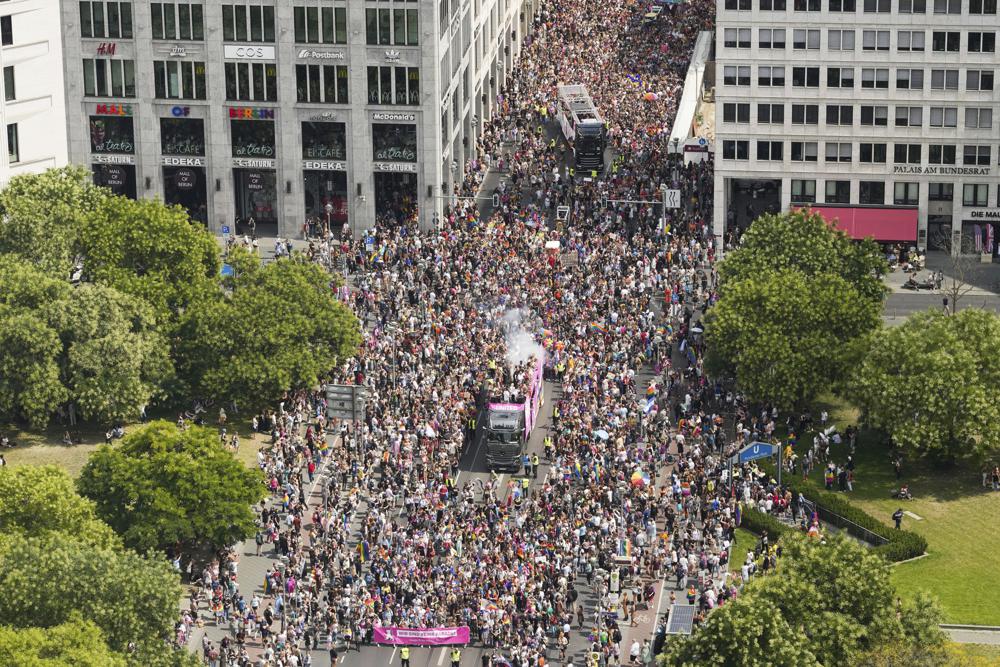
(422, 636)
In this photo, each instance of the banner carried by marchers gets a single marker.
(421, 636)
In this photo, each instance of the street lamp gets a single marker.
(329, 210)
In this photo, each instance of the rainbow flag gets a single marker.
(364, 551)
(599, 327)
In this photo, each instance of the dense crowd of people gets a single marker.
(634, 489)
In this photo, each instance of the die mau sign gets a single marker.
(985, 214)
(113, 109)
(934, 170)
(250, 113)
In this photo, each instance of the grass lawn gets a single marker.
(745, 542)
(958, 518)
(40, 448)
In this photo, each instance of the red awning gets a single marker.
(882, 224)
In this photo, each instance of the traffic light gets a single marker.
(496, 200)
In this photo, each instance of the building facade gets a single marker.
(33, 108)
(881, 114)
(317, 110)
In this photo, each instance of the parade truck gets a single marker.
(507, 426)
(583, 127)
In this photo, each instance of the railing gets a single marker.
(852, 528)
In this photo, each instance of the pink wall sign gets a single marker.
(422, 636)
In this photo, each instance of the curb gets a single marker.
(979, 628)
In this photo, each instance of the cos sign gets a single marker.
(248, 52)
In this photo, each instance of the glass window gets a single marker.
(111, 134)
(182, 136)
(253, 23)
(13, 145)
(324, 141)
(871, 192)
(838, 192)
(975, 194)
(9, 89)
(252, 138)
(803, 191)
(906, 194)
(394, 142)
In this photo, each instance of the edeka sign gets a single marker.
(250, 113)
(323, 165)
(421, 636)
(169, 161)
(113, 109)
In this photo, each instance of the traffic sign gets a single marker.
(672, 198)
(757, 450)
(345, 401)
(562, 213)
(225, 229)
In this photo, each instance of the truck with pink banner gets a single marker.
(507, 426)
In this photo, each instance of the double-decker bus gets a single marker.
(582, 126)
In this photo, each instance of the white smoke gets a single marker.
(521, 345)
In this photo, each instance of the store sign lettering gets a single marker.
(183, 162)
(985, 214)
(112, 146)
(180, 111)
(321, 152)
(251, 148)
(393, 117)
(321, 55)
(113, 159)
(250, 163)
(113, 109)
(322, 165)
(106, 48)
(394, 153)
(183, 148)
(177, 51)
(941, 171)
(394, 166)
(247, 52)
(248, 113)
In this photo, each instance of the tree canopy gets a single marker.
(48, 579)
(163, 486)
(933, 384)
(90, 346)
(279, 328)
(76, 642)
(827, 603)
(804, 241)
(785, 336)
(36, 501)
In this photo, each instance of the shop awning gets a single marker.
(882, 224)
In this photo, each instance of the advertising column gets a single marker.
(112, 148)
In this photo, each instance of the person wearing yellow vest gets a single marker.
(456, 656)
(404, 656)
(534, 465)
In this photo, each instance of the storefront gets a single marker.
(395, 155)
(182, 146)
(254, 178)
(324, 175)
(981, 232)
(112, 148)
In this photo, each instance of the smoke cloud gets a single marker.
(521, 345)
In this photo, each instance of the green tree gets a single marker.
(151, 251)
(38, 500)
(804, 241)
(279, 328)
(163, 486)
(42, 215)
(786, 336)
(92, 347)
(48, 579)
(828, 603)
(76, 642)
(933, 384)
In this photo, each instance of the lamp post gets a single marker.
(329, 209)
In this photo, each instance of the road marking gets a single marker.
(441, 659)
(393, 656)
(912, 515)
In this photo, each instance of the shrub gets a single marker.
(902, 545)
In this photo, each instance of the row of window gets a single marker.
(873, 192)
(769, 113)
(770, 76)
(907, 41)
(974, 7)
(249, 23)
(186, 80)
(868, 152)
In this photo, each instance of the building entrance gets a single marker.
(256, 197)
(186, 186)
(395, 197)
(326, 201)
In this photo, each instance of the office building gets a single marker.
(316, 109)
(33, 109)
(881, 114)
